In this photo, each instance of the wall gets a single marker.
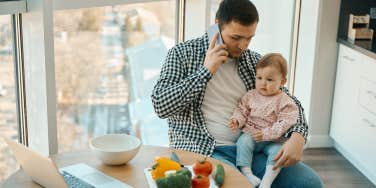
(195, 24)
(275, 29)
(316, 66)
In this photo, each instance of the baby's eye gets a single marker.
(269, 79)
(258, 78)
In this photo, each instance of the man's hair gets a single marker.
(241, 11)
(276, 60)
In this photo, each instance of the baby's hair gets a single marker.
(276, 60)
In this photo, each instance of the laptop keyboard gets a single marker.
(74, 182)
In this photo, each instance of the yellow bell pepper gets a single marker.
(161, 165)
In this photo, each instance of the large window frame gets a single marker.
(38, 44)
(20, 81)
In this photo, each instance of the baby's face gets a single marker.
(268, 80)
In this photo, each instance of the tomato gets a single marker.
(200, 181)
(203, 167)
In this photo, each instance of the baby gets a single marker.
(264, 115)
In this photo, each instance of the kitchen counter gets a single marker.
(365, 47)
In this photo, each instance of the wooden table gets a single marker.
(133, 172)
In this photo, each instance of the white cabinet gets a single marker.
(353, 125)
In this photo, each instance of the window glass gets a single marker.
(107, 61)
(8, 105)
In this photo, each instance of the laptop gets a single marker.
(44, 171)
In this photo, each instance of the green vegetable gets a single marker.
(180, 179)
(185, 171)
(219, 175)
(175, 157)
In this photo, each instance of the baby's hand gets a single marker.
(257, 135)
(233, 124)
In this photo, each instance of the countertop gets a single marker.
(366, 47)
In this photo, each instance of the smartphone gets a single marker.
(212, 30)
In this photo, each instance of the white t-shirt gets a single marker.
(222, 94)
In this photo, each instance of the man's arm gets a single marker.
(301, 126)
(174, 90)
(291, 151)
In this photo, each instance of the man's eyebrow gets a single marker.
(240, 36)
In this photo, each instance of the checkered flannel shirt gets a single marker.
(180, 90)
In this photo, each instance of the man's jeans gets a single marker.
(246, 147)
(296, 176)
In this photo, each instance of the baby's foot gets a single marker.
(252, 178)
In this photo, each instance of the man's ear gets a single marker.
(216, 21)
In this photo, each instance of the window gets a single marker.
(107, 61)
(8, 105)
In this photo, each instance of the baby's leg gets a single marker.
(271, 151)
(244, 156)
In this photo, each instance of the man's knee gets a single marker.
(312, 182)
(298, 176)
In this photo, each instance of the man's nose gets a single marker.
(243, 44)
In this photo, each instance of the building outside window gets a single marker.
(107, 60)
(8, 104)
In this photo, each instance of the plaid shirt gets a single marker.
(180, 90)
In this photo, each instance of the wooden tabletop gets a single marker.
(133, 172)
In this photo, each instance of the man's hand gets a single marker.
(216, 55)
(233, 124)
(291, 152)
(257, 135)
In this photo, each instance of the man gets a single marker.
(200, 84)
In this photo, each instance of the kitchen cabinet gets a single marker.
(353, 125)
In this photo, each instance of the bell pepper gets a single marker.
(161, 165)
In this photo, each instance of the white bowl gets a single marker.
(115, 149)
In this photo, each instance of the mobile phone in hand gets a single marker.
(212, 30)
